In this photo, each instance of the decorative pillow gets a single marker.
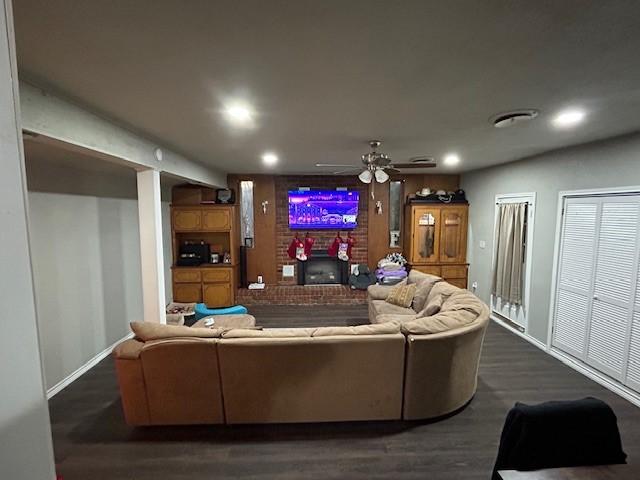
(402, 295)
(373, 329)
(422, 292)
(268, 333)
(147, 331)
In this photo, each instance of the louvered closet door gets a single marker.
(575, 275)
(633, 365)
(614, 286)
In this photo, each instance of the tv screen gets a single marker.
(316, 209)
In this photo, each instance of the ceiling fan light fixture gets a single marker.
(365, 176)
(381, 175)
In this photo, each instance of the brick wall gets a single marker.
(301, 295)
(284, 234)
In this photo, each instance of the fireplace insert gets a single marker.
(322, 269)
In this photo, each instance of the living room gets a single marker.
(282, 239)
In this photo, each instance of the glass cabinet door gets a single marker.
(426, 222)
(453, 235)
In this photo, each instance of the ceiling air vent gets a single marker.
(507, 119)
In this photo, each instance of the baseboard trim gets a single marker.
(570, 362)
(534, 341)
(68, 380)
(597, 377)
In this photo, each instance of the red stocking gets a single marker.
(308, 244)
(293, 246)
(333, 248)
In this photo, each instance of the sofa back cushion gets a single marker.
(370, 329)
(438, 294)
(423, 289)
(457, 310)
(402, 295)
(147, 331)
(417, 277)
(268, 333)
(322, 379)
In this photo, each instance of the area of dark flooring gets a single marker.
(92, 441)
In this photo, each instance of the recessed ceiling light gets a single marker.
(451, 159)
(568, 118)
(239, 114)
(269, 159)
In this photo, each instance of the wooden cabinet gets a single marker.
(436, 240)
(187, 292)
(216, 295)
(216, 225)
(216, 220)
(186, 219)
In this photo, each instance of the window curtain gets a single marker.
(509, 252)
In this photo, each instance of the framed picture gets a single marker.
(248, 242)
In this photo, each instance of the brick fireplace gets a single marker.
(324, 238)
(290, 290)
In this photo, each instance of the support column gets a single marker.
(26, 451)
(151, 257)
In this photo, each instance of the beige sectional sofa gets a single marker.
(389, 370)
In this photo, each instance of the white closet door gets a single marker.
(633, 365)
(615, 284)
(575, 275)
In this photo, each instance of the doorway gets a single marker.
(512, 311)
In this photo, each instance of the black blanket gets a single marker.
(559, 434)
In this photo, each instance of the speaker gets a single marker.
(244, 282)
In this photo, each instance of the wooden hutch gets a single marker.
(213, 284)
(436, 240)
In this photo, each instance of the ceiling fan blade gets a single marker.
(414, 165)
(392, 170)
(336, 165)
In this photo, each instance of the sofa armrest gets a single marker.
(441, 371)
(129, 349)
(378, 292)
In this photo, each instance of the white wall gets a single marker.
(612, 163)
(26, 451)
(86, 261)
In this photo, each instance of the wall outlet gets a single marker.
(474, 286)
(483, 244)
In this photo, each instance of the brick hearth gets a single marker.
(301, 295)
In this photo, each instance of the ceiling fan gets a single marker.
(378, 165)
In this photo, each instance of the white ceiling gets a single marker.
(326, 76)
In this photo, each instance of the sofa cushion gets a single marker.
(381, 292)
(463, 300)
(422, 291)
(369, 329)
(382, 307)
(402, 295)
(268, 333)
(146, 331)
(440, 322)
(417, 277)
(399, 319)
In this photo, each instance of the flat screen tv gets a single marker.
(323, 209)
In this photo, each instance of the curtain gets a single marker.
(509, 252)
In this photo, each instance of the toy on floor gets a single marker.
(202, 310)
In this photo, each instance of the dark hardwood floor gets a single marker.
(92, 441)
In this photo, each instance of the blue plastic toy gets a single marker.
(202, 310)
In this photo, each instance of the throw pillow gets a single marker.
(402, 295)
